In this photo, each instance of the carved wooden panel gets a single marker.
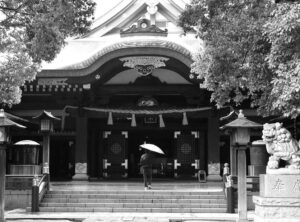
(115, 153)
(185, 155)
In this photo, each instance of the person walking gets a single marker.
(146, 168)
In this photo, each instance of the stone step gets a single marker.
(172, 200)
(160, 200)
(110, 209)
(132, 205)
(137, 192)
(133, 196)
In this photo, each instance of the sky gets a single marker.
(105, 5)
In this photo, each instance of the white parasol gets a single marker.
(27, 142)
(152, 147)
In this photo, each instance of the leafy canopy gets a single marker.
(251, 52)
(32, 31)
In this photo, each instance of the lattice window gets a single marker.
(116, 148)
(186, 149)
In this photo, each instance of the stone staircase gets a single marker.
(160, 201)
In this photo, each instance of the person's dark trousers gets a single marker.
(147, 174)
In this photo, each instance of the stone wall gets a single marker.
(17, 199)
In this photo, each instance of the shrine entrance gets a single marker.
(162, 164)
(184, 151)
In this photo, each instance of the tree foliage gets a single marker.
(251, 52)
(32, 31)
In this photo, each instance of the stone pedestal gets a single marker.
(80, 172)
(214, 172)
(279, 199)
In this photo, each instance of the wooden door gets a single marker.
(115, 162)
(186, 164)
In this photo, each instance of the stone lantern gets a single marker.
(46, 127)
(240, 139)
(239, 130)
(5, 125)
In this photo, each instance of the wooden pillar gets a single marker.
(202, 153)
(81, 148)
(213, 149)
(100, 157)
(93, 153)
(242, 184)
(233, 151)
(2, 180)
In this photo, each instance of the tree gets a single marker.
(32, 31)
(283, 32)
(245, 54)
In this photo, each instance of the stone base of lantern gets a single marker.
(279, 198)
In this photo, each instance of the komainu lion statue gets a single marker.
(281, 145)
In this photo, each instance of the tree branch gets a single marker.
(16, 10)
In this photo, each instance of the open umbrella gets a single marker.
(152, 147)
(27, 142)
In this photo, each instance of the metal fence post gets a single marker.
(47, 173)
(229, 194)
(35, 194)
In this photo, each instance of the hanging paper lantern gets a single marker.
(185, 120)
(110, 119)
(133, 120)
(161, 121)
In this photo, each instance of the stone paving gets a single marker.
(22, 216)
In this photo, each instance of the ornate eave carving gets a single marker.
(52, 81)
(143, 28)
(144, 65)
(152, 6)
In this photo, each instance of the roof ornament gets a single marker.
(241, 114)
(152, 7)
(144, 65)
(143, 28)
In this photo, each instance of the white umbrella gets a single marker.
(27, 142)
(152, 147)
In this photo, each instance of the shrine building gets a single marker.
(125, 82)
